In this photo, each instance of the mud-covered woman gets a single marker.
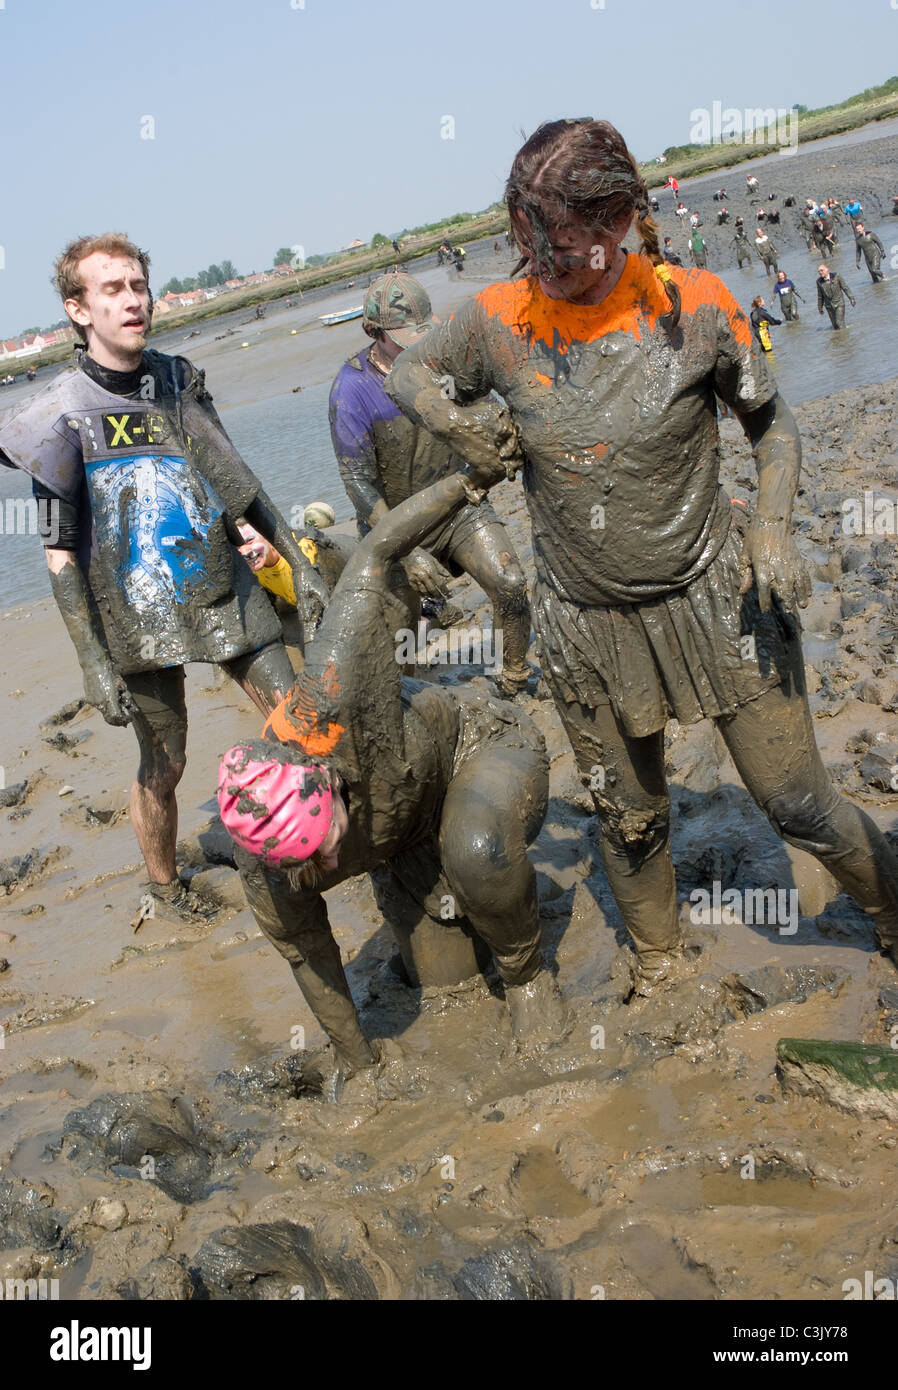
(435, 791)
(654, 597)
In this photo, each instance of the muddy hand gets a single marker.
(107, 692)
(312, 595)
(771, 558)
(425, 574)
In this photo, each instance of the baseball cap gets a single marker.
(401, 307)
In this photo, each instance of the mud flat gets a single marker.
(856, 165)
(152, 1141)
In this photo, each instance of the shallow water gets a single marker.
(809, 359)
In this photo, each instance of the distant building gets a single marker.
(356, 246)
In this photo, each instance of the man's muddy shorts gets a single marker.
(159, 697)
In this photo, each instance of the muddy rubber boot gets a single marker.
(539, 1017)
(173, 902)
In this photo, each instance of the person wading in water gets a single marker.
(648, 581)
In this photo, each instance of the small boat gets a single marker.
(328, 320)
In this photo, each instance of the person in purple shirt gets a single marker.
(384, 458)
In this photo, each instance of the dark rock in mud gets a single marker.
(780, 984)
(860, 1078)
(63, 742)
(14, 872)
(279, 1260)
(130, 1128)
(28, 1216)
(879, 765)
(64, 715)
(696, 1010)
(24, 869)
(517, 1273)
(844, 920)
(267, 1078)
(163, 1279)
(888, 998)
(39, 1009)
(14, 795)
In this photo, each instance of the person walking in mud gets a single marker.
(669, 253)
(831, 293)
(434, 791)
(873, 250)
(383, 458)
(761, 319)
(824, 244)
(127, 453)
(787, 293)
(806, 225)
(698, 251)
(741, 244)
(639, 620)
(855, 211)
(767, 251)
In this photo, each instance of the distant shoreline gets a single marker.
(722, 157)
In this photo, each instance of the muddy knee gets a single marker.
(634, 833)
(804, 818)
(160, 775)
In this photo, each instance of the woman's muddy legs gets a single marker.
(314, 958)
(772, 743)
(626, 778)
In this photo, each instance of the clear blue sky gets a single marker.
(314, 125)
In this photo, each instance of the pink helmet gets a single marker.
(271, 806)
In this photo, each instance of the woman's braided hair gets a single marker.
(581, 170)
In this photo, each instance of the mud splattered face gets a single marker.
(114, 309)
(583, 259)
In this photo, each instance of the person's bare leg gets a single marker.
(160, 724)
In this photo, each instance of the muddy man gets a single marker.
(655, 598)
(141, 487)
(435, 792)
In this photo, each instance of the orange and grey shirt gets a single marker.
(617, 419)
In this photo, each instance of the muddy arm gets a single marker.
(482, 433)
(771, 557)
(103, 686)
